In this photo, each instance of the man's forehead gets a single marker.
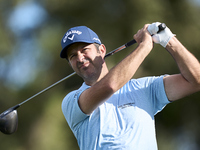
(77, 46)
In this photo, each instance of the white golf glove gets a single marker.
(162, 37)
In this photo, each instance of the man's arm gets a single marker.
(188, 81)
(118, 76)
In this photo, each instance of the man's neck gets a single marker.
(91, 82)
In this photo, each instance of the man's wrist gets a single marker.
(146, 45)
(172, 42)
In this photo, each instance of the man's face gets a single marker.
(86, 60)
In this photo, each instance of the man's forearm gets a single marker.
(189, 66)
(125, 70)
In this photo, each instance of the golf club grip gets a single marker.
(161, 27)
(130, 43)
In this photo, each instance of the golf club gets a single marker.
(9, 118)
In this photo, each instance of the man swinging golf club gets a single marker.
(112, 111)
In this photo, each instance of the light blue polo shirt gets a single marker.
(124, 122)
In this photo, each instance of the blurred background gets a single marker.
(30, 36)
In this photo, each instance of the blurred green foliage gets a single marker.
(41, 123)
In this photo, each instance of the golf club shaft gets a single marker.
(120, 48)
(162, 26)
(51, 86)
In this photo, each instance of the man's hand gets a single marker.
(162, 37)
(143, 37)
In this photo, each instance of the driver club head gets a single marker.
(9, 120)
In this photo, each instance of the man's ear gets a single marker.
(102, 49)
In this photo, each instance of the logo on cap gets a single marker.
(71, 38)
(69, 33)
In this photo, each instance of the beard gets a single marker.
(90, 70)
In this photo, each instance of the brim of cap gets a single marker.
(63, 53)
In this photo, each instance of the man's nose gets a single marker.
(80, 57)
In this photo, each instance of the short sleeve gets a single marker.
(71, 109)
(160, 99)
(151, 93)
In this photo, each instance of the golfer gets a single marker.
(111, 110)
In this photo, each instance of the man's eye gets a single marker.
(84, 49)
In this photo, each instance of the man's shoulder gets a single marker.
(76, 92)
